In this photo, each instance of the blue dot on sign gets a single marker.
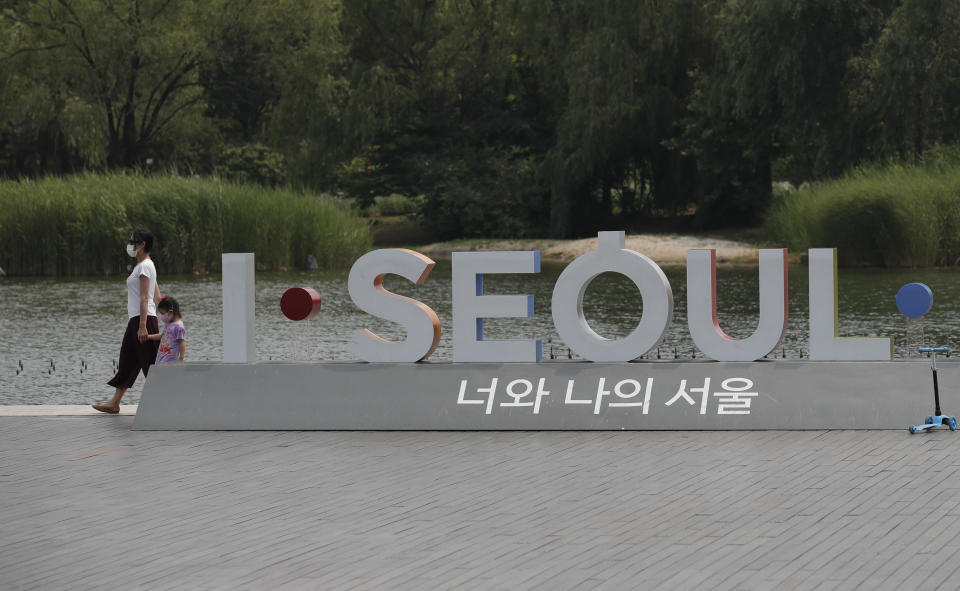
(914, 300)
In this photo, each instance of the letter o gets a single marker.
(611, 256)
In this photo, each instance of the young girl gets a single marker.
(172, 343)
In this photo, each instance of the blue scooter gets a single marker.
(938, 419)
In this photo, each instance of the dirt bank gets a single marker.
(665, 249)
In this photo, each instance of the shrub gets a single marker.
(893, 215)
(394, 205)
(79, 225)
(251, 164)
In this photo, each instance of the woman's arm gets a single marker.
(144, 301)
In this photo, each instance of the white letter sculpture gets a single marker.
(702, 307)
(611, 256)
(825, 341)
(239, 345)
(470, 306)
(365, 285)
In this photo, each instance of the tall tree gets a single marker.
(775, 92)
(306, 121)
(433, 111)
(132, 62)
(625, 85)
(909, 87)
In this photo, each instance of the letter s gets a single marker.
(365, 285)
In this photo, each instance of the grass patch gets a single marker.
(79, 225)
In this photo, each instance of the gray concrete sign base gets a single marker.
(649, 395)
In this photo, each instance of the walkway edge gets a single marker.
(59, 410)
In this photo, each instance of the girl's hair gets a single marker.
(168, 303)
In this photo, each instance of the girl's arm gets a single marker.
(155, 337)
(183, 349)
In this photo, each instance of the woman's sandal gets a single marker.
(111, 410)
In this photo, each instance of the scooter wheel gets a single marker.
(912, 429)
(928, 421)
(953, 424)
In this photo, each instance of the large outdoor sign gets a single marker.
(471, 306)
(505, 384)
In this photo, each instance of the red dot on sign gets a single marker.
(300, 303)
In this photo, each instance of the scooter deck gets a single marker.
(935, 422)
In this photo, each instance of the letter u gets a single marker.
(702, 307)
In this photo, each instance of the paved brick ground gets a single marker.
(85, 503)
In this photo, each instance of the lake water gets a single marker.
(56, 327)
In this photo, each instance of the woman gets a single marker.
(137, 352)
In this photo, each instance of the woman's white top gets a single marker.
(144, 269)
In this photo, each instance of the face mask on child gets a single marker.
(132, 250)
(167, 318)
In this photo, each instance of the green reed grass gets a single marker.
(80, 225)
(893, 215)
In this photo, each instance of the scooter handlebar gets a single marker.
(933, 350)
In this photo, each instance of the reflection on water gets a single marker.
(74, 321)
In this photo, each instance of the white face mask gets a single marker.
(132, 250)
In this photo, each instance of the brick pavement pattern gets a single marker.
(85, 503)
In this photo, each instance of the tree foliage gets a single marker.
(509, 118)
(114, 79)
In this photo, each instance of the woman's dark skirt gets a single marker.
(134, 355)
